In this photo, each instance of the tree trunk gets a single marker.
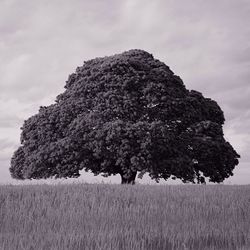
(128, 179)
(200, 179)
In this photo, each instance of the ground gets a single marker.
(105, 216)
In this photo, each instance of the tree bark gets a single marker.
(128, 179)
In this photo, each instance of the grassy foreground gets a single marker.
(102, 216)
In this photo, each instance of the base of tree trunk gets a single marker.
(128, 179)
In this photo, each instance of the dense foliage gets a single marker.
(125, 114)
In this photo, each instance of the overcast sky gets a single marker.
(206, 43)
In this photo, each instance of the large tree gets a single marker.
(126, 114)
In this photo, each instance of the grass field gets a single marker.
(103, 216)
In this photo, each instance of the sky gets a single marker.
(206, 43)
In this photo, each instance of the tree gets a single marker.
(126, 114)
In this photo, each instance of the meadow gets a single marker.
(111, 216)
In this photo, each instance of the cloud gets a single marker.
(9, 121)
(7, 148)
(5, 144)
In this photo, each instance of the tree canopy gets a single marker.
(126, 114)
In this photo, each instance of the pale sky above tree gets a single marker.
(206, 43)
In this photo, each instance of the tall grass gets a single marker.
(102, 216)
